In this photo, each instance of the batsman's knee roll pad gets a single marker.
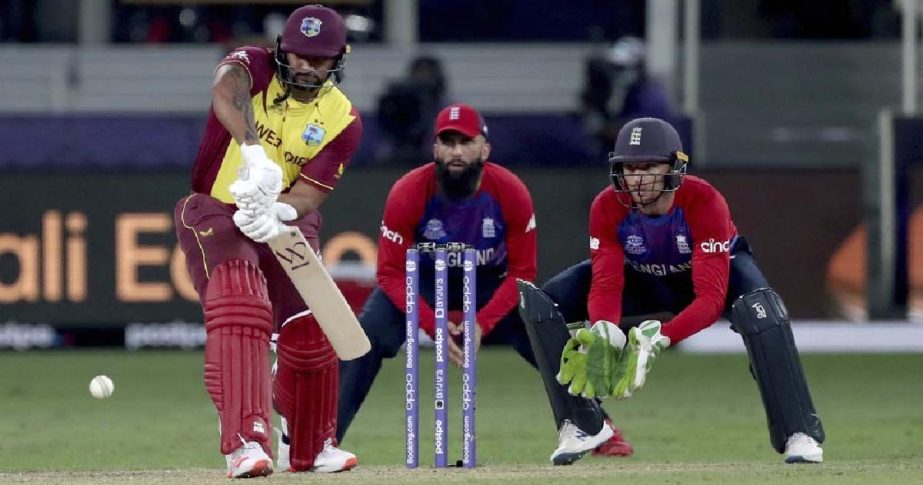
(762, 320)
(548, 334)
(238, 322)
(305, 388)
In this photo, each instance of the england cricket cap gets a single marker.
(646, 140)
(462, 118)
(314, 31)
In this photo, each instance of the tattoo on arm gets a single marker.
(242, 102)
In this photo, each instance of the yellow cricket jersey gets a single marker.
(311, 141)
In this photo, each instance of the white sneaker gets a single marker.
(282, 461)
(332, 459)
(249, 461)
(573, 442)
(801, 448)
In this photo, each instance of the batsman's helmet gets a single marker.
(312, 31)
(648, 140)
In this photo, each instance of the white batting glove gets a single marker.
(259, 180)
(265, 225)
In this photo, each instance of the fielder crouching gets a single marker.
(663, 242)
(280, 123)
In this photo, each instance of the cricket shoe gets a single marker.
(249, 461)
(282, 460)
(330, 460)
(614, 446)
(801, 448)
(573, 442)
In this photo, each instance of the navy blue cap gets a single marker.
(646, 140)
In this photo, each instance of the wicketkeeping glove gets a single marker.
(644, 344)
(590, 360)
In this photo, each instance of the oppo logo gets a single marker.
(712, 246)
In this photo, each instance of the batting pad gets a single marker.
(305, 389)
(238, 322)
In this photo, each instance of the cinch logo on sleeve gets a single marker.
(594, 243)
(390, 235)
(712, 246)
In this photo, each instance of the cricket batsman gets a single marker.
(662, 242)
(277, 140)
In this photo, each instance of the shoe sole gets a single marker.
(349, 465)
(262, 468)
(803, 459)
(622, 452)
(568, 458)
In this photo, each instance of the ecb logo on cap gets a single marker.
(310, 26)
(635, 136)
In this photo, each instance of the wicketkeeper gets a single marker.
(662, 242)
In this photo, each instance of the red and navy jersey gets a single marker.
(312, 142)
(498, 221)
(690, 243)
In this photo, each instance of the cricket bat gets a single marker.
(318, 290)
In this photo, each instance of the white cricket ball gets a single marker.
(101, 387)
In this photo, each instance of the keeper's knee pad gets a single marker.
(762, 320)
(238, 323)
(305, 388)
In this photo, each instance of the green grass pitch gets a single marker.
(698, 420)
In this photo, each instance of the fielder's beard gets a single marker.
(458, 185)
